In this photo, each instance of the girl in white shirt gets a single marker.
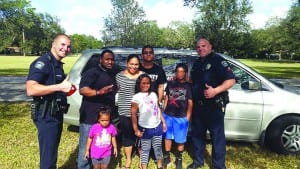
(150, 124)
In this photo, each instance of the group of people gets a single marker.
(149, 113)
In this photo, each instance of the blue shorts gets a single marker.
(177, 128)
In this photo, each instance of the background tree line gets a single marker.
(223, 22)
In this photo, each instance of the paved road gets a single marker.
(12, 89)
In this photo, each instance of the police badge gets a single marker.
(208, 66)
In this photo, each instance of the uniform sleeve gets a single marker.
(39, 70)
(224, 69)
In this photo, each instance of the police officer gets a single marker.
(211, 78)
(48, 85)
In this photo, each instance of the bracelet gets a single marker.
(97, 92)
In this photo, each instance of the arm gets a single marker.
(114, 143)
(89, 92)
(160, 92)
(87, 148)
(33, 88)
(163, 122)
(166, 98)
(134, 109)
(211, 92)
(189, 109)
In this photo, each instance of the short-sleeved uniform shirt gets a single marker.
(157, 75)
(212, 70)
(47, 70)
(178, 96)
(96, 78)
(101, 140)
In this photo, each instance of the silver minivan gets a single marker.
(259, 110)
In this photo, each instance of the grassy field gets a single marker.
(18, 66)
(19, 147)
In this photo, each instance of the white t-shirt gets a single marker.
(148, 112)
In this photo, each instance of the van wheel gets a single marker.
(283, 135)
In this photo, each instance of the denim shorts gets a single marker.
(150, 132)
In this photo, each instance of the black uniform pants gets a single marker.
(49, 133)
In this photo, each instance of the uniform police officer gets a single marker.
(48, 85)
(211, 78)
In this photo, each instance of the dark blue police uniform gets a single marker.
(207, 114)
(47, 113)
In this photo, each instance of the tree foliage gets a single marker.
(222, 22)
(121, 25)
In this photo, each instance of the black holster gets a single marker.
(222, 100)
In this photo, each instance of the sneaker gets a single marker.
(178, 163)
(166, 161)
(194, 166)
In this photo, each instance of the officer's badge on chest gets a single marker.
(39, 65)
(208, 66)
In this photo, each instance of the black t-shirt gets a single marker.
(96, 78)
(157, 75)
(178, 96)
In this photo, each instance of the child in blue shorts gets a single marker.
(177, 112)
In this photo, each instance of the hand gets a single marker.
(86, 155)
(65, 86)
(210, 92)
(138, 133)
(164, 127)
(115, 151)
(106, 89)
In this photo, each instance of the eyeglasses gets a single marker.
(148, 53)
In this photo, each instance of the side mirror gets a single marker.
(250, 85)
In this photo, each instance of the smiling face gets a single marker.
(133, 65)
(61, 47)
(145, 84)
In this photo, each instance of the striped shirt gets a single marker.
(126, 91)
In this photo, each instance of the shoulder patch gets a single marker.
(225, 63)
(39, 65)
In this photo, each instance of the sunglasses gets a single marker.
(148, 52)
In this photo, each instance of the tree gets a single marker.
(120, 26)
(222, 22)
(82, 42)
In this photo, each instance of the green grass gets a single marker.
(19, 147)
(274, 69)
(18, 66)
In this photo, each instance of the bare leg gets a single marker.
(128, 152)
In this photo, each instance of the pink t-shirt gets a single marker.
(101, 145)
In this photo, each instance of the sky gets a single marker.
(86, 16)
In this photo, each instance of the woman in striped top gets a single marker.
(126, 83)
